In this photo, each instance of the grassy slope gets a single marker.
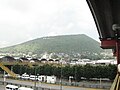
(67, 44)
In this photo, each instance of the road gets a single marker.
(43, 85)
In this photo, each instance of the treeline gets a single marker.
(77, 71)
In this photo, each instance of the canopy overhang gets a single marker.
(106, 14)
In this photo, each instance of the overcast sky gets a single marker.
(23, 20)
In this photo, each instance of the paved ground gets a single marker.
(44, 85)
(2, 87)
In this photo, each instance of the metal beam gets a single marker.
(109, 44)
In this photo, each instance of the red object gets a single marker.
(109, 44)
(112, 44)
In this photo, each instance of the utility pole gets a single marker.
(35, 80)
(4, 78)
(75, 73)
(61, 76)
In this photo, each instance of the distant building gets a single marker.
(45, 56)
(23, 59)
(50, 60)
(8, 59)
(81, 62)
(35, 60)
(57, 61)
(91, 62)
(106, 62)
(43, 60)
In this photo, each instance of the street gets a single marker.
(42, 85)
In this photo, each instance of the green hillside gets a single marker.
(58, 44)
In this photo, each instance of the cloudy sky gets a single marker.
(23, 20)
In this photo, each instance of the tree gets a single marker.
(88, 71)
(112, 71)
(79, 72)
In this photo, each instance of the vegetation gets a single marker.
(77, 46)
(57, 44)
(78, 71)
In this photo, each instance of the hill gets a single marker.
(57, 44)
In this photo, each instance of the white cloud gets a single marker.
(23, 20)
(4, 43)
(52, 34)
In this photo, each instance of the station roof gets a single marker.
(106, 14)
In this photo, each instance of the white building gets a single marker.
(81, 62)
(42, 78)
(48, 79)
(51, 79)
(106, 62)
(91, 62)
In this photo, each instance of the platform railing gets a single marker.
(116, 83)
(7, 70)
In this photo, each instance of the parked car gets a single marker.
(25, 88)
(33, 77)
(11, 87)
(25, 76)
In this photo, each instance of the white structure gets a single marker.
(91, 62)
(106, 62)
(25, 88)
(45, 56)
(11, 87)
(32, 61)
(42, 78)
(48, 79)
(118, 68)
(33, 77)
(70, 79)
(81, 62)
(51, 79)
(84, 61)
(25, 76)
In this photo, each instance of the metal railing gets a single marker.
(116, 83)
(7, 70)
